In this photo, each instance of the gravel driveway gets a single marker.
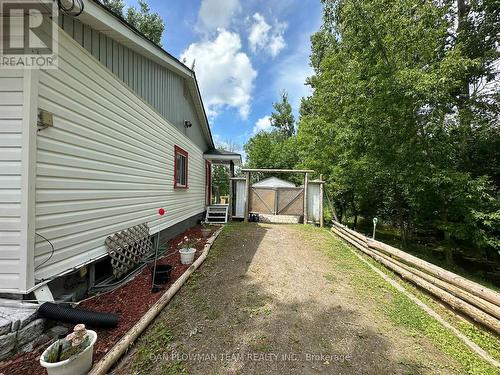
(269, 301)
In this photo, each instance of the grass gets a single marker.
(151, 346)
(400, 310)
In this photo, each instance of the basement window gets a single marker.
(180, 168)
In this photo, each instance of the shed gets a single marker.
(273, 182)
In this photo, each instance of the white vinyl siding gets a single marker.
(15, 251)
(107, 163)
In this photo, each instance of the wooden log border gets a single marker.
(111, 357)
(467, 341)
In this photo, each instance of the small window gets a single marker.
(180, 168)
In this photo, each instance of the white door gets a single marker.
(239, 210)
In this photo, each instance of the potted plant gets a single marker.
(187, 250)
(71, 355)
(205, 230)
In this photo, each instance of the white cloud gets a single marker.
(263, 36)
(215, 14)
(262, 124)
(224, 72)
(259, 32)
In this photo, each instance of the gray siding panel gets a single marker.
(87, 38)
(102, 48)
(109, 53)
(159, 87)
(95, 44)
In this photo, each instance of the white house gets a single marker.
(122, 133)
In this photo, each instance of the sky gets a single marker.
(245, 53)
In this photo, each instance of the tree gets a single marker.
(150, 25)
(115, 6)
(276, 148)
(272, 150)
(220, 173)
(397, 122)
(282, 117)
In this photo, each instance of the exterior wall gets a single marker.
(17, 136)
(106, 164)
(163, 89)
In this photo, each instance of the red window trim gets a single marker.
(180, 151)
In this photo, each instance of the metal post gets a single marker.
(154, 288)
(306, 182)
(374, 226)
(247, 198)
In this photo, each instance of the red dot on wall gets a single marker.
(161, 211)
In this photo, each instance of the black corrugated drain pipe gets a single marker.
(68, 314)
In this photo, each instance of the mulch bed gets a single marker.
(131, 301)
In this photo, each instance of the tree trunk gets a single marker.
(404, 233)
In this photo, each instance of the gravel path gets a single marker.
(269, 301)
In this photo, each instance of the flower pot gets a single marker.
(162, 274)
(187, 255)
(206, 232)
(79, 364)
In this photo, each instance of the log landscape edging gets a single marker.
(472, 345)
(111, 357)
(471, 299)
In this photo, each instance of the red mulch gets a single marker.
(130, 301)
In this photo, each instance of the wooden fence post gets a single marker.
(321, 220)
(247, 190)
(306, 182)
(231, 188)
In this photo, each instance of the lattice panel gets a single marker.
(127, 248)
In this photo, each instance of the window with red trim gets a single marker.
(180, 168)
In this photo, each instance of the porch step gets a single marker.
(217, 213)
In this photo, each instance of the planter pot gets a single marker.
(162, 273)
(206, 232)
(79, 364)
(187, 255)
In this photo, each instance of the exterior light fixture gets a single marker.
(187, 123)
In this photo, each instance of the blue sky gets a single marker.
(245, 53)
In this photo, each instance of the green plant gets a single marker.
(76, 342)
(188, 243)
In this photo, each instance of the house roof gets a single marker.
(222, 156)
(273, 182)
(100, 18)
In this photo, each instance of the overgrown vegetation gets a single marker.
(403, 119)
